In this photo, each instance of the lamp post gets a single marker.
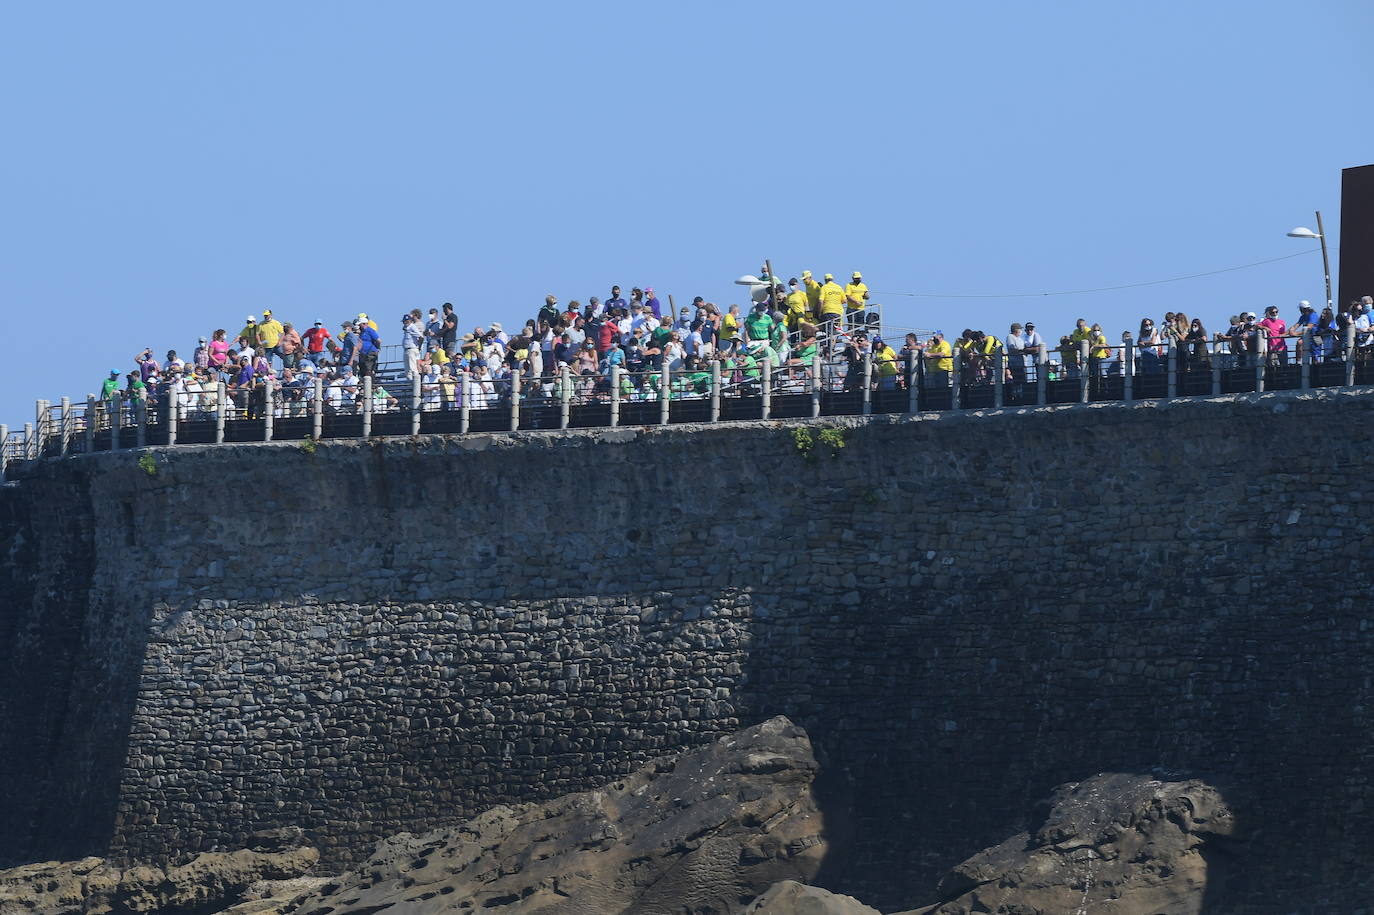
(1319, 235)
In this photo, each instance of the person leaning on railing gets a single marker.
(939, 361)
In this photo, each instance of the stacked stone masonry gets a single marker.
(963, 610)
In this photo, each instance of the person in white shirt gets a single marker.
(1031, 341)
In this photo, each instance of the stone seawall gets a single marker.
(963, 610)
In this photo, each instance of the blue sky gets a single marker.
(169, 168)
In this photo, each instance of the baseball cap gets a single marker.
(858, 275)
(267, 314)
(830, 276)
(805, 274)
(203, 340)
(251, 319)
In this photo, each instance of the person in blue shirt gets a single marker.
(369, 345)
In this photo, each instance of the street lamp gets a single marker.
(1319, 235)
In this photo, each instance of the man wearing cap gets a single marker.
(269, 334)
(201, 358)
(813, 297)
(796, 304)
(855, 300)
(939, 361)
(250, 331)
(369, 347)
(110, 385)
(1016, 355)
(652, 304)
(314, 340)
(831, 305)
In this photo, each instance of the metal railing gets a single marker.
(561, 398)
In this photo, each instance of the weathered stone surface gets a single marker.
(91, 886)
(792, 898)
(1113, 844)
(703, 832)
(400, 635)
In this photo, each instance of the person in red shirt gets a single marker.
(1276, 331)
(314, 340)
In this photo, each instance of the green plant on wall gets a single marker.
(148, 464)
(307, 445)
(830, 439)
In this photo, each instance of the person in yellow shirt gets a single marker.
(855, 301)
(832, 305)
(796, 305)
(813, 297)
(269, 333)
(885, 365)
(939, 361)
(250, 332)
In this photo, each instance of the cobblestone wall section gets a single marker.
(964, 610)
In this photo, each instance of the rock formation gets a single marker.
(204, 884)
(1113, 844)
(703, 832)
(792, 898)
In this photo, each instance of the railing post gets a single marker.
(868, 384)
(1306, 369)
(221, 408)
(1349, 355)
(955, 377)
(564, 394)
(173, 407)
(1127, 368)
(913, 381)
(999, 369)
(615, 395)
(464, 401)
(515, 401)
(317, 410)
(1042, 358)
(665, 393)
(1085, 372)
(715, 391)
(415, 405)
(815, 369)
(1216, 370)
(30, 443)
(4, 448)
(42, 426)
(116, 418)
(141, 420)
(1172, 391)
(268, 408)
(92, 420)
(1262, 350)
(766, 389)
(367, 406)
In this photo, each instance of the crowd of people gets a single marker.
(581, 351)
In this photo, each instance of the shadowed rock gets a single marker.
(1111, 845)
(704, 832)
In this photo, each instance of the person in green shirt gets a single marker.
(110, 385)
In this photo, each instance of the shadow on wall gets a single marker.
(70, 688)
(941, 729)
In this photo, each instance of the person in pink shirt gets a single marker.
(1276, 330)
(219, 349)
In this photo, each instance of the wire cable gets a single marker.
(1037, 295)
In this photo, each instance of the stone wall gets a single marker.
(963, 610)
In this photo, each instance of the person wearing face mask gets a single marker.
(1276, 332)
(1148, 342)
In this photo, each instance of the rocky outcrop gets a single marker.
(792, 898)
(1113, 844)
(704, 832)
(206, 883)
